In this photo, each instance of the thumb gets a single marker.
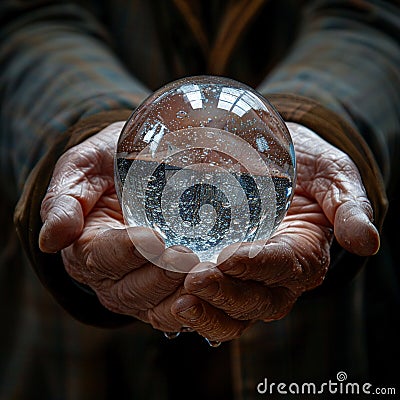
(354, 230)
(332, 178)
(81, 175)
(63, 222)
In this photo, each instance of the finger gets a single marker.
(109, 253)
(161, 317)
(80, 177)
(243, 300)
(296, 257)
(113, 253)
(147, 294)
(274, 262)
(67, 202)
(346, 205)
(178, 259)
(62, 225)
(139, 290)
(146, 287)
(208, 321)
(332, 178)
(354, 230)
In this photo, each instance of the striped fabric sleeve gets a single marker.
(347, 58)
(82, 304)
(342, 80)
(56, 67)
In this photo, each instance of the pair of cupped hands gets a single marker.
(82, 218)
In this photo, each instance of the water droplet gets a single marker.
(184, 159)
(171, 335)
(187, 329)
(210, 134)
(213, 343)
(252, 231)
(181, 114)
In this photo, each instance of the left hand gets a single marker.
(82, 218)
(329, 199)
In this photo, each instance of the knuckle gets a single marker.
(73, 267)
(111, 303)
(129, 295)
(254, 304)
(116, 299)
(283, 299)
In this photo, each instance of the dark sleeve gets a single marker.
(60, 82)
(344, 265)
(57, 66)
(342, 80)
(347, 58)
(79, 301)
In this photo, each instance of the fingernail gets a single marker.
(374, 243)
(203, 287)
(45, 244)
(190, 313)
(359, 235)
(178, 259)
(206, 282)
(368, 236)
(202, 267)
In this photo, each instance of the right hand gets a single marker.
(82, 218)
(222, 301)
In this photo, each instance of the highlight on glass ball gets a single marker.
(206, 162)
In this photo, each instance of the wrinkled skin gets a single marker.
(82, 219)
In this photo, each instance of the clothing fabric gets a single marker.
(69, 68)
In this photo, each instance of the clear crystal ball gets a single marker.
(205, 162)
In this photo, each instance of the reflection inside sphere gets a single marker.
(206, 162)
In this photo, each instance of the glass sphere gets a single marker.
(205, 162)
